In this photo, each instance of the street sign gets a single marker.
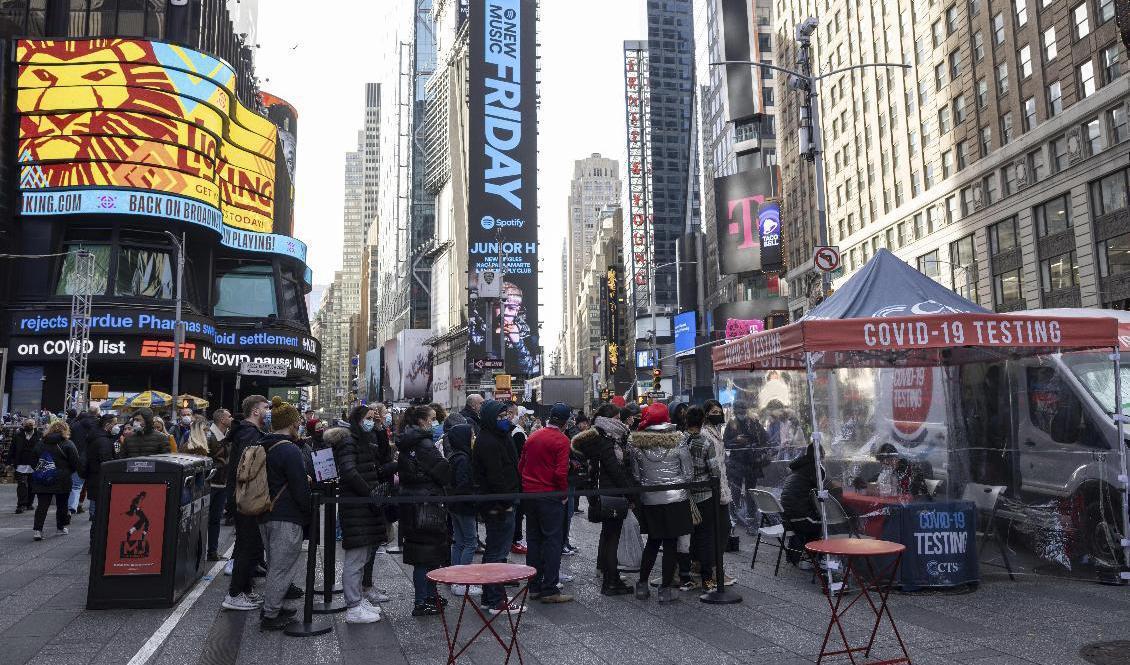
(657, 394)
(488, 363)
(262, 369)
(502, 395)
(826, 258)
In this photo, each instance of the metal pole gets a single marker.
(1123, 480)
(821, 492)
(720, 595)
(178, 329)
(306, 627)
(329, 557)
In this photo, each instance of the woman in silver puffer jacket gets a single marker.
(658, 457)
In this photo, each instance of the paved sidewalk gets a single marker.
(1037, 619)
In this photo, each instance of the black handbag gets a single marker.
(431, 517)
(608, 508)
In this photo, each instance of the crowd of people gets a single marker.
(264, 476)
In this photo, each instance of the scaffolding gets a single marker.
(78, 344)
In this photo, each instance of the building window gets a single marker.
(919, 226)
(1114, 255)
(978, 46)
(905, 233)
(1002, 78)
(68, 277)
(245, 290)
(944, 124)
(1116, 122)
(144, 273)
(962, 151)
(947, 164)
(989, 187)
(1085, 77)
(915, 184)
(959, 109)
(1109, 194)
(767, 95)
(951, 19)
(1059, 272)
(1112, 62)
(963, 272)
(1029, 113)
(953, 211)
(1006, 287)
(936, 31)
(955, 65)
(1092, 137)
(1050, 49)
(1036, 167)
(1024, 57)
(1002, 236)
(1006, 129)
(932, 219)
(939, 77)
(1058, 150)
(982, 93)
(1021, 13)
(1105, 11)
(974, 7)
(998, 29)
(923, 93)
(1055, 99)
(1008, 180)
(928, 264)
(1082, 23)
(1052, 217)
(986, 141)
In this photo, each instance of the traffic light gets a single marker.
(655, 382)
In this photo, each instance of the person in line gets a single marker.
(544, 466)
(712, 432)
(464, 527)
(57, 459)
(99, 449)
(603, 449)
(219, 449)
(800, 512)
(146, 439)
(23, 457)
(679, 416)
(182, 429)
(283, 527)
(361, 469)
(381, 437)
(704, 458)
(437, 424)
(248, 553)
(423, 472)
(518, 437)
(159, 425)
(659, 458)
(748, 451)
(494, 464)
(471, 410)
(196, 443)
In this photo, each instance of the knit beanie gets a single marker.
(283, 414)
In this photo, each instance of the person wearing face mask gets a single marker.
(99, 449)
(24, 459)
(518, 437)
(146, 439)
(219, 449)
(494, 467)
(248, 553)
(712, 432)
(182, 430)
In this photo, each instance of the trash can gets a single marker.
(151, 531)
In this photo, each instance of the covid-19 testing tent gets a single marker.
(933, 412)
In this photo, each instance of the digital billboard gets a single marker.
(747, 240)
(502, 206)
(685, 328)
(125, 114)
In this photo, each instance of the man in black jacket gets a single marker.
(471, 411)
(99, 449)
(494, 467)
(23, 457)
(84, 427)
(248, 542)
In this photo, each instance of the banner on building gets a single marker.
(414, 363)
(502, 205)
(370, 384)
(747, 240)
(742, 99)
(638, 250)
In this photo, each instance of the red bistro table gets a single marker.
(853, 549)
(483, 574)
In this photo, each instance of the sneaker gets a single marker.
(642, 591)
(370, 606)
(214, 556)
(620, 589)
(228, 567)
(668, 594)
(555, 598)
(731, 581)
(519, 547)
(284, 612)
(254, 597)
(393, 549)
(689, 585)
(569, 550)
(81, 508)
(376, 595)
(64, 531)
(425, 610)
(293, 592)
(37, 535)
(501, 608)
(276, 623)
(459, 589)
(362, 613)
(565, 577)
(240, 603)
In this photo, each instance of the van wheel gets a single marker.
(1102, 532)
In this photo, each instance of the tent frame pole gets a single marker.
(821, 490)
(1123, 480)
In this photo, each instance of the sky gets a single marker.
(319, 63)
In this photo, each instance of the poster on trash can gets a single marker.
(136, 529)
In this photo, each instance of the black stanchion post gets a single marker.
(306, 627)
(721, 594)
(329, 557)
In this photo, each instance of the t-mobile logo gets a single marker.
(745, 227)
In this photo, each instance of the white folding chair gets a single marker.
(769, 507)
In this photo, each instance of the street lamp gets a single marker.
(178, 330)
(810, 138)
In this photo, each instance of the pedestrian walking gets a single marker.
(56, 460)
(464, 526)
(283, 526)
(603, 448)
(99, 449)
(82, 428)
(659, 458)
(219, 449)
(146, 439)
(23, 458)
(494, 464)
(544, 466)
(364, 471)
(248, 552)
(423, 526)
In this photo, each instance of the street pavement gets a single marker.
(1036, 619)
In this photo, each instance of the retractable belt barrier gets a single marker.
(308, 628)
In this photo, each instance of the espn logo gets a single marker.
(152, 348)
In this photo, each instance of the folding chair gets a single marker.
(769, 507)
(836, 516)
(986, 498)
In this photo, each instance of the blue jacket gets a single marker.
(288, 481)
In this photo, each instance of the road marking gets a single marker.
(158, 638)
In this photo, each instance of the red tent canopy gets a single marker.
(938, 339)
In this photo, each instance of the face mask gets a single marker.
(267, 419)
(388, 420)
(368, 425)
(716, 418)
(116, 430)
(137, 424)
(505, 425)
(186, 420)
(301, 431)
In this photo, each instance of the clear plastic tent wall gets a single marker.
(1026, 447)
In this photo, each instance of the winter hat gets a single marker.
(619, 401)
(656, 414)
(283, 414)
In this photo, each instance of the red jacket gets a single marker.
(545, 461)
